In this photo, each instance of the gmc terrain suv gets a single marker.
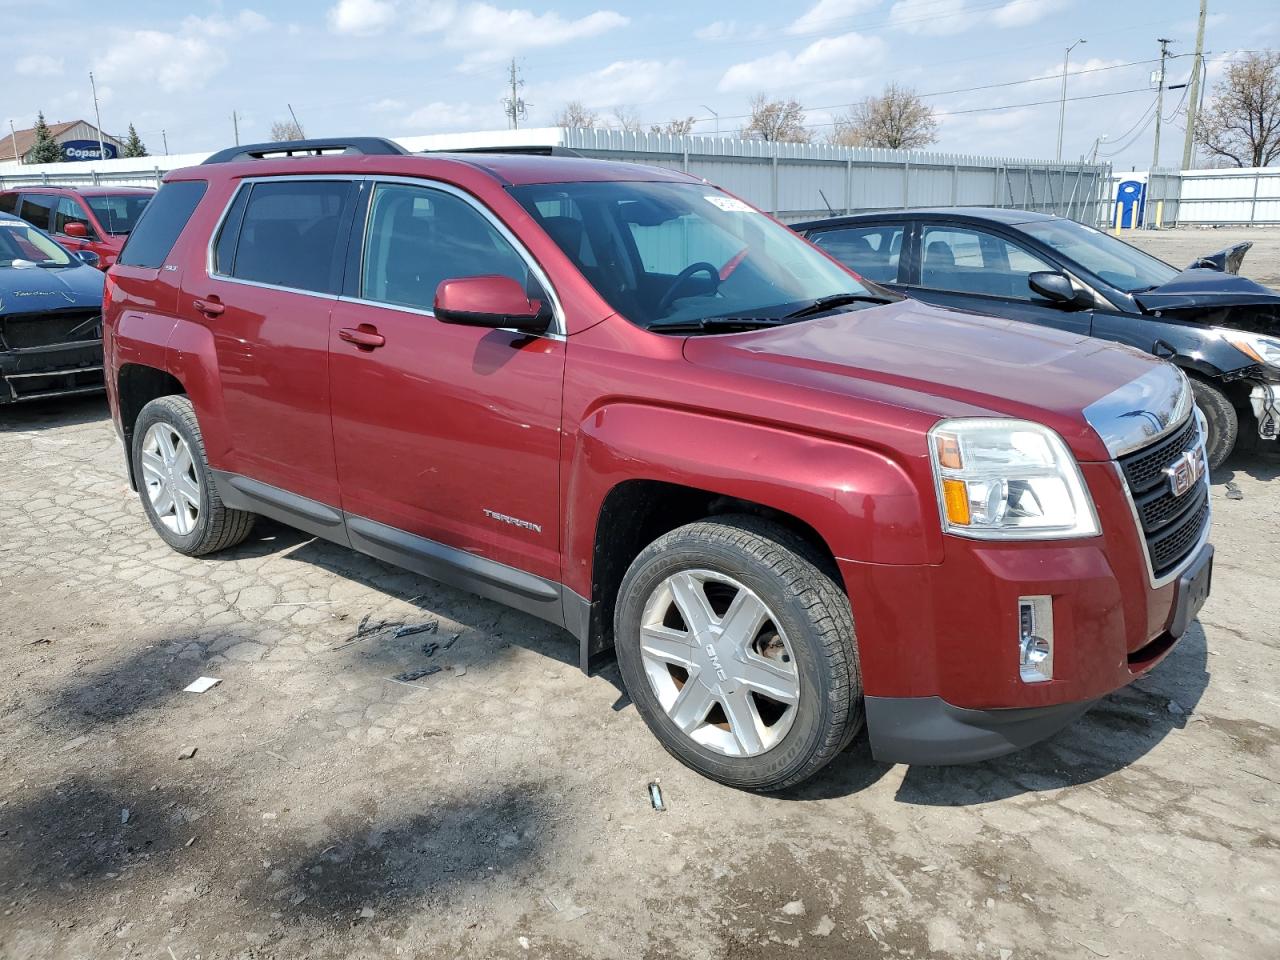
(624, 401)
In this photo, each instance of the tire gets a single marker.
(1222, 419)
(806, 637)
(193, 520)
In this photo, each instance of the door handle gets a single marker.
(365, 336)
(210, 308)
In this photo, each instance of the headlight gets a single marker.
(1008, 480)
(1264, 350)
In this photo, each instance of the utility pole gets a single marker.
(235, 124)
(102, 147)
(1062, 106)
(1164, 54)
(1193, 95)
(302, 134)
(714, 114)
(165, 140)
(514, 107)
(14, 134)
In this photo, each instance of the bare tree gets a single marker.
(675, 128)
(286, 130)
(776, 120)
(575, 114)
(1241, 124)
(627, 119)
(896, 120)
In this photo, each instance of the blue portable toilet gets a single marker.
(1131, 195)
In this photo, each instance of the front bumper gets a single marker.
(63, 369)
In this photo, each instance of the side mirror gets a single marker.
(90, 258)
(1056, 287)
(490, 301)
(76, 229)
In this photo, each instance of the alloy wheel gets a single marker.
(169, 474)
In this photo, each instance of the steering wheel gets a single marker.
(682, 278)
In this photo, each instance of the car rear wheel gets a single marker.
(1221, 419)
(177, 489)
(738, 649)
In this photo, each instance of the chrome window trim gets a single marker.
(1181, 568)
(1140, 412)
(427, 183)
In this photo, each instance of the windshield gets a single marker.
(118, 212)
(22, 245)
(662, 253)
(1124, 267)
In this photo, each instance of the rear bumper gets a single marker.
(930, 731)
(59, 370)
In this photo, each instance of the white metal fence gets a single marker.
(793, 181)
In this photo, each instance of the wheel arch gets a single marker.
(137, 385)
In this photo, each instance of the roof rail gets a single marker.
(309, 148)
(528, 150)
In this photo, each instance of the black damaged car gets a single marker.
(1222, 329)
(50, 316)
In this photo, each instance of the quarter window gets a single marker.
(973, 261)
(289, 236)
(418, 237)
(161, 223)
(871, 252)
(8, 202)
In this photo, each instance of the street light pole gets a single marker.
(714, 114)
(102, 147)
(14, 134)
(1062, 106)
(1101, 139)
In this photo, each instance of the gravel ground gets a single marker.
(1184, 244)
(498, 807)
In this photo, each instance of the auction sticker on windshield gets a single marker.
(730, 204)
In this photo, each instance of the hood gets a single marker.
(1227, 260)
(939, 361)
(42, 289)
(1210, 283)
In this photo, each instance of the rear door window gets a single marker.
(292, 235)
(966, 260)
(161, 224)
(8, 202)
(871, 252)
(36, 209)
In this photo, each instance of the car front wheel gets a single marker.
(1221, 419)
(737, 647)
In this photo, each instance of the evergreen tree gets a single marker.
(133, 145)
(46, 149)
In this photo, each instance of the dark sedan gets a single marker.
(1220, 328)
(50, 316)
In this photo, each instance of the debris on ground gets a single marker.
(411, 675)
(524, 943)
(1234, 492)
(795, 908)
(367, 629)
(187, 753)
(568, 911)
(1176, 708)
(79, 741)
(430, 647)
(367, 913)
(201, 684)
(460, 670)
(124, 814)
(823, 927)
(655, 797)
(451, 641)
(431, 626)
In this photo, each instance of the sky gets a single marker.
(411, 67)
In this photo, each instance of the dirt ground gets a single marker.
(498, 808)
(1184, 244)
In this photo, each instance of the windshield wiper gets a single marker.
(823, 304)
(707, 324)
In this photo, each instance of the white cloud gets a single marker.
(1020, 13)
(39, 65)
(933, 17)
(824, 15)
(732, 30)
(438, 116)
(173, 63)
(621, 83)
(361, 17)
(823, 63)
(1092, 74)
(246, 21)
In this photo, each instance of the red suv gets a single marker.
(93, 219)
(622, 400)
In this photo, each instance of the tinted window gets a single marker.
(974, 261)
(418, 237)
(224, 251)
(36, 209)
(118, 212)
(872, 252)
(8, 202)
(289, 235)
(69, 211)
(161, 223)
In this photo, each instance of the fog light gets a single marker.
(1035, 639)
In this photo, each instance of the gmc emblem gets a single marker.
(1185, 472)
